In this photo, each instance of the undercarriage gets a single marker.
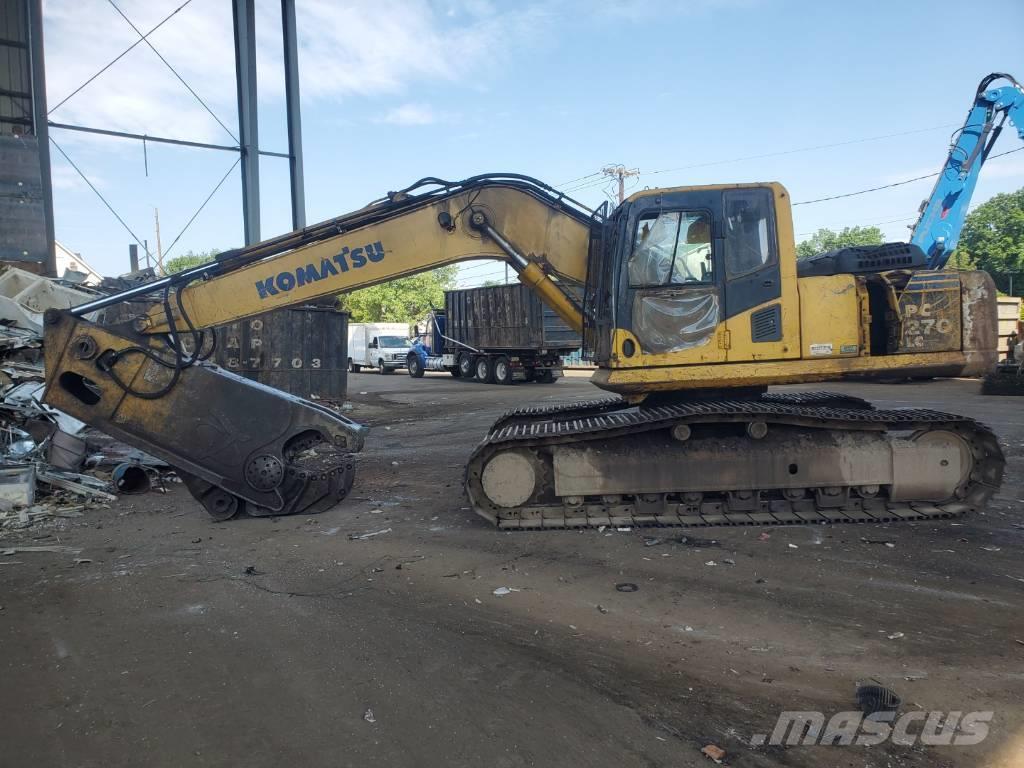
(776, 459)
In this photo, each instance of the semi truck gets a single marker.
(382, 346)
(495, 334)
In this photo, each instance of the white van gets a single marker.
(384, 346)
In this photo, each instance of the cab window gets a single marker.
(749, 230)
(671, 248)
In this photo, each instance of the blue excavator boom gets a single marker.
(937, 230)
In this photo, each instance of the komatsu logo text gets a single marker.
(343, 261)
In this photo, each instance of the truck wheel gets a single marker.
(502, 370)
(352, 367)
(455, 372)
(484, 370)
(545, 377)
(465, 365)
(415, 367)
(383, 370)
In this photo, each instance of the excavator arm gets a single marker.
(938, 227)
(240, 445)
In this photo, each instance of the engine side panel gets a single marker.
(830, 317)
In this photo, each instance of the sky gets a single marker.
(687, 92)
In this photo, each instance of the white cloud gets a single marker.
(636, 11)
(410, 114)
(63, 176)
(346, 49)
(139, 93)
(382, 47)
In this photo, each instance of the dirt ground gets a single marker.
(269, 642)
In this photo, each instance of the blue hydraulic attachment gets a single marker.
(937, 230)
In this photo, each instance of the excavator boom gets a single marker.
(938, 227)
(242, 446)
(429, 224)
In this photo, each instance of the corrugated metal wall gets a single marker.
(22, 215)
(505, 317)
(15, 71)
(303, 351)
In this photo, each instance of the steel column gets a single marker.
(293, 111)
(248, 132)
(39, 126)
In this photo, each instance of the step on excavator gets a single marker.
(690, 301)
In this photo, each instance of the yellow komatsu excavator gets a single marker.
(691, 301)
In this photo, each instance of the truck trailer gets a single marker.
(496, 334)
(383, 346)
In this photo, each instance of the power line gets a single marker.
(200, 208)
(492, 264)
(822, 199)
(908, 217)
(487, 275)
(804, 149)
(119, 56)
(894, 184)
(174, 71)
(872, 189)
(588, 183)
(101, 197)
(573, 181)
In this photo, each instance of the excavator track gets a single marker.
(778, 459)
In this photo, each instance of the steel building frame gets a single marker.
(243, 16)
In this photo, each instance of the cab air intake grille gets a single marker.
(766, 324)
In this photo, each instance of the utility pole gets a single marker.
(621, 173)
(159, 248)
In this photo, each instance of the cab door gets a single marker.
(674, 290)
(677, 296)
(759, 301)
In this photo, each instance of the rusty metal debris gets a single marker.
(714, 752)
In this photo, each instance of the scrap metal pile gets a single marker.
(51, 464)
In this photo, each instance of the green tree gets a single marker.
(961, 259)
(188, 260)
(993, 238)
(826, 240)
(403, 300)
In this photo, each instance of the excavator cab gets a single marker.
(697, 276)
(699, 288)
